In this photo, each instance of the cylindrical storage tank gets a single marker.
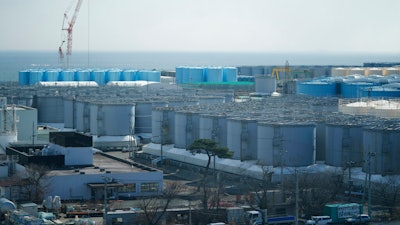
(257, 70)
(82, 75)
(99, 76)
(196, 75)
(6, 205)
(285, 144)
(317, 88)
(357, 71)
(339, 72)
(143, 115)
(112, 119)
(185, 75)
(154, 76)
(51, 75)
(391, 71)
(353, 90)
(213, 127)
(229, 74)
(374, 71)
(186, 129)
(242, 138)
(67, 75)
(163, 125)
(82, 115)
(214, 74)
(179, 74)
(113, 75)
(343, 144)
(244, 70)
(50, 109)
(23, 77)
(69, 112)
(264, 84)
(381, 154)
(380, 92)
(35, 76)
(128, 75)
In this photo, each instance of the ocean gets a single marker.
(11, 62)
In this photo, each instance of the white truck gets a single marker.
(254, 217)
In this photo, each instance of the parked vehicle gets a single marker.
(254, 217)
(339, 213)
(358, 219)
(319, 220)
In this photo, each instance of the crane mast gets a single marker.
(68, 26)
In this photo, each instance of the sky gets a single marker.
(322, 26)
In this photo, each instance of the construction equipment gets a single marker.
(286, 69)
(68, 26)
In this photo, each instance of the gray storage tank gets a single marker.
(213, 127)
(290, 144)
(186, 128)
(163, 125)
(242, 138)
(50, 108)
(112, 119)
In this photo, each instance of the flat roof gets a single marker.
(103, 163)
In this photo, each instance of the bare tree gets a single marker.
(35, 182)
(388, 191)
(154, 208)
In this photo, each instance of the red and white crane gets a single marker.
(68, 26)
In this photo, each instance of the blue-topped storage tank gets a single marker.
(113, 75)
(179, 74)
(67, 75)
(196, 75)
(51, 75)
(185, 75)
(353, 90)
(317, 88)
(229, 74)
(380, 92)
(82, 75)
(99, 76)
(23, 77)
(35, 76)
(154, 76)
(214, 74)
(128, 75)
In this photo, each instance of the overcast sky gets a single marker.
(352, 26)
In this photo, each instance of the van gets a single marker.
(319, 220)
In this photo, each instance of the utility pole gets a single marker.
(370, 154)
(297, 197)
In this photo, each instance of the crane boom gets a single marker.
(70, 27)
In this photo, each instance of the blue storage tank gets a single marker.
(51, 75)
(230, 74)
(128, 75)
(154, 76)
(353, 89)
(98, 76)
(67, 75)
(317, 88)
(82, 75)
(179, 74)
(214, 74)
(23, 77)
(113, 75)
(185, 75)
(380, 92)
(196, 75)
(35, 76)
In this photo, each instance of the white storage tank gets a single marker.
(242, 138)
(186, 128)
(339, 72)
(6, 205)
(373, 71)
(213, 127)
(381, 144)
(264, 84)
(343, 144)
(112, 119)
(290, 144)
(391, 71)
(69, 112)
(357, 71)
(163, 125)
(143, 115)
